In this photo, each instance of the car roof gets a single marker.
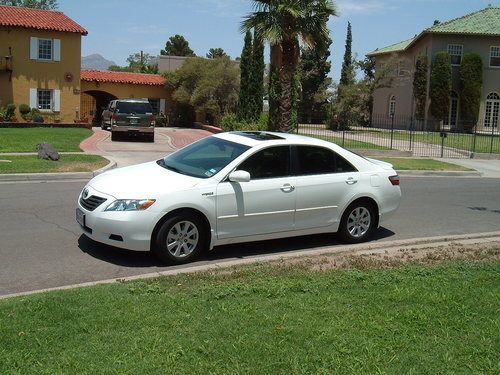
(254, 138)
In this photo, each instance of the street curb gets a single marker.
(414, 173)
(23, 177)
(358, 249)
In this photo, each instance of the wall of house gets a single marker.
(34, 74)
(473, 44)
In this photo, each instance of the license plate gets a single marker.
(133, 121)
(80, 217)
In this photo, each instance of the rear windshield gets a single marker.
(134, 107)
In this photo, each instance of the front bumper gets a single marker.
(125, 229)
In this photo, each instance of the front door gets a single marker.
(265, 204)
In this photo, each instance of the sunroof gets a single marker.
(259, 136)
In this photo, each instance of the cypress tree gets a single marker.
(440, 86)
(420, 86)
(471, 82)
(274, 99)
(347, 73)
(246, 66)
(314, 69)
(257, 84)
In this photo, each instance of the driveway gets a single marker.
(133, 151)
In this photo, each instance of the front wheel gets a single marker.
(181, 239)
(358, 222)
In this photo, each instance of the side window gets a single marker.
(313, 160)
(271, 162)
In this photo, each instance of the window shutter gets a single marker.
(33, 98)
(57, 101)
(33, 48)
(57, 49)
(162, 105)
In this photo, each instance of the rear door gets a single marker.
(325, 181)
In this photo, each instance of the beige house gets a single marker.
(477, 32)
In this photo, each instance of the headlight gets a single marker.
(130, 205)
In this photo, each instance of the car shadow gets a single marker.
(145, 259)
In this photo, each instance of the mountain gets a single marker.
(96, 61)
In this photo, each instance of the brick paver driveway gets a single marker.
(132, 151)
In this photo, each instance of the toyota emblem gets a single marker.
(85, 194)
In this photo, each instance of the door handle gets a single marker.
(350, 181)
(287, 188)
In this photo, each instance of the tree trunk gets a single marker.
(288, 66)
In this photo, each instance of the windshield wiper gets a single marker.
(162, 163)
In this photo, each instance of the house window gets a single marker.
(456, 52)
(44, 99)
(495, 56)
(44, 49)
(451, 120)
(392, 106)
(492, 111)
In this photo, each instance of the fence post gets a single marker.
(392, 128)
(343, 136)
(474, 139)
(493, 125)
(411, 132)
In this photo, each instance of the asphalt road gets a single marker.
(41, 245)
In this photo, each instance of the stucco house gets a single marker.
(40, 59)
(477, 32)
(40, 64)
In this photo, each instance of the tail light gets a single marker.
(152, 120)
(394, 180)
(114, 117)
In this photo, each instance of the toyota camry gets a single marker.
(238, 187)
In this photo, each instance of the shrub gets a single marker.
(25, 111)
(36, 116)
(10, 111)
(471, 82)
(440, 86)
(230, 122)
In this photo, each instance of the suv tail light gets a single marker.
(114, 117)
(394, 180)
(152, 120)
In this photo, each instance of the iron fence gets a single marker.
(404, 133)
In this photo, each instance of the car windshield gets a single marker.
(140, 108)
(203, 159)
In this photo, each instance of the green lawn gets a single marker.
(483, 144)
(66, 163)
(349, 143)
(25, 140)
(415, 319)
(422, 164)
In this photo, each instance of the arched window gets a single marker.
(492, 110)
(392, 105)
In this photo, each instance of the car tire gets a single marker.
(103, 125)
(151, 138)
(358, 222)
(114, 136)
(180, 239)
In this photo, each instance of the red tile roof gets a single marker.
(38, 19)
(122, 77)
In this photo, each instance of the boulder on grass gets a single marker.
(47, 151)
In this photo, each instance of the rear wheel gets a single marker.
(114, 136)
(358, 222)
(103, 125)
(181, 239)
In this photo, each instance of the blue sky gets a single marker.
(118, 28)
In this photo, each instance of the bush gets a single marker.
(10, 111)
(24, 109)
(36, 116)
(230, 122)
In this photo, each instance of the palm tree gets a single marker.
(282, 23)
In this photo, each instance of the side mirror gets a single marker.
(239, 176)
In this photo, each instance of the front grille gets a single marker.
(92, 202)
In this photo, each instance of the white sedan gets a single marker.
(238, 187)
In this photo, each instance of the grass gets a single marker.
(483, 144)
(349, 143)
(66, 163)
(422, 164)
(25, 140)
(267, 319)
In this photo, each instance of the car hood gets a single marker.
(141, 181)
